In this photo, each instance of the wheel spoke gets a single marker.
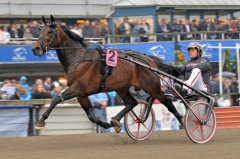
(201, 128)
(145, 126)
(138, 130)
(140, 113)
(194, 129)
(134, 122)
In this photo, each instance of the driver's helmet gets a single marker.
(196, 46)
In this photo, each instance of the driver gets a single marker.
(196, 71)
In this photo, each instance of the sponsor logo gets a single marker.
(207, 50)
(19, 54)
(158, 50)
(51, 55)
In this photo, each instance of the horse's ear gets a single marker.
(44, 20)
(52, 20)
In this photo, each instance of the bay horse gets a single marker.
(82, 67)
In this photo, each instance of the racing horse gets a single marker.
(83, 68)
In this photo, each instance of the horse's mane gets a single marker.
(73, 35)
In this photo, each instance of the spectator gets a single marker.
(194, 27)
(64, 84)
(186, 29)
(18, 93)
(214, 85)
(80, 30)
(56, 91)
(6, 34)
(106, 31)
(37, 82)
(124, 29)
(145, 20)
(135, 30)
(143, 30)
(40, 93)
(95, 30)
(226, 83)
(20, 31)
(25, 86)
(175, 27)
(34, 29)
(163, 27)
(29, 24)
(75, 29)
(234, 85)
(13, 32)
(48, 84)
(27, 35)
(99, 102)
(7, 87)
(209, 26)
(202, 24)
(87, 30)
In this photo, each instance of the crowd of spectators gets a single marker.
(48, 89)
(229, 86)
(135, 26)
(89, 30)
(127, 27)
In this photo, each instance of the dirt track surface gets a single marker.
(225, 144)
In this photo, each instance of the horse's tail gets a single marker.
(157, 61)
(164, 67)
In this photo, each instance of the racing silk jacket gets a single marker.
(202, 63)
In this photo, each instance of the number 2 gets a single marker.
(112, 56)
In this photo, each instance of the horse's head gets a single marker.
(47, 37)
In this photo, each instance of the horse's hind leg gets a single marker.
(129, 102)
(86, 105)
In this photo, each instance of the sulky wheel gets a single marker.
(197, 132)
(135, 128)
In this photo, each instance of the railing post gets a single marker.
(109, 40)
(131, 39)
(201, 36)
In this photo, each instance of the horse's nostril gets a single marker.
(35, 49)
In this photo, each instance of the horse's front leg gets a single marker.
(86, 105)
(67, 94)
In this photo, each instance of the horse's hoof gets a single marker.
(118, 126)
(40, 126)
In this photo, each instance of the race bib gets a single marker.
(111, 57)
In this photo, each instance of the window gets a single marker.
(164, 14)
(179, 15)
(236, 14)
(194, 15)
(224, 15)
(209, 14)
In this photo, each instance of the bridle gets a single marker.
(49, 39)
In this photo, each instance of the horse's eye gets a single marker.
(50, 32)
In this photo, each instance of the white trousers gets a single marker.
(195, 81)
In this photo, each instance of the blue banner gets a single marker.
(164, 50)
(24, 54)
